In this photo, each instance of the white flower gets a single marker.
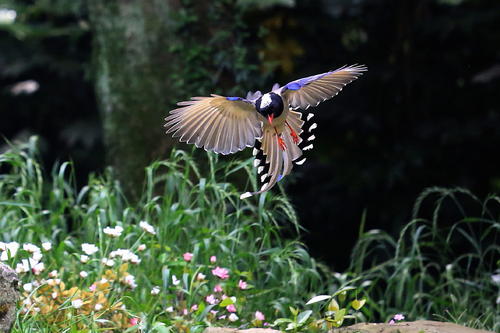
(155, 290)
(54, 295)
(84, 274)
(32, 248)
(147, 227)
(4, 256)
(175, 281)
(53, 282)
(141, 247)
(98, 307)
(7, 16)
(200, 276)
(130, 280)
(47, 246)
(108, 262)
(28, 287)
(89, 249)
(126, 255)
(38, 268)
(170, 309)
(233, 317)
(11, 248)
(77, 303)
(84, 258)
(113, 232)
(496, 279)
(53, 274)
(26, 264)
(37, 256)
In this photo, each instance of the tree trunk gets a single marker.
(132, 66)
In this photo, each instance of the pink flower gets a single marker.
(211, 299)
(217, 288)
(259, 316)
(242, 285)
(134, 321)
(222, 317)
(194, 307)
(213, 312)
(187, 256)
(221, 273)
(391, 322)
(399, 317)
(213, 259)
(185, 312)
(231, 308)
(93, 287)
(224, 296)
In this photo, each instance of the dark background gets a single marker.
(425, 114)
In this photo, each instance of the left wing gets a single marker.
(312, 90)
(220, 124)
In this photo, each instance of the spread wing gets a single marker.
(312, 90)
(220, 124)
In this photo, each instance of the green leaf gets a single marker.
(318, 298)
(333, 305)
(280, 321)
(343, 290)
(226, 302)
(358, 304)
(303, 316)
(339, 315)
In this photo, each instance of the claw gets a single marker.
(281, 142)
(294, 135)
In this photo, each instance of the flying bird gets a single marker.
(268, 122)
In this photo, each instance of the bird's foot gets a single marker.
(281, 142)
(295, 137)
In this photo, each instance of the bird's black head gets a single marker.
(270, 106)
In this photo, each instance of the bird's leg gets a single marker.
(281, 142)
(294, 135)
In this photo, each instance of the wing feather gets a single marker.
(271, 159)
(312, 90)
(219, 124)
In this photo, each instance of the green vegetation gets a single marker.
(445, 267)
(191, 212)
(150, 264)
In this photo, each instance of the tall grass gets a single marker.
(442, 265)
(193, 208)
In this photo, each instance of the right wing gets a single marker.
(312, 90)
(220, 124)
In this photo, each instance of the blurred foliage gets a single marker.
(425, 114)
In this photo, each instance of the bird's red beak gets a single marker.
(270, 118)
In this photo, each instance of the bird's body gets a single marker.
(266, 122)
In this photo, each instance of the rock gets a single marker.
(234, 330)
(9, 294)
(419, 326)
